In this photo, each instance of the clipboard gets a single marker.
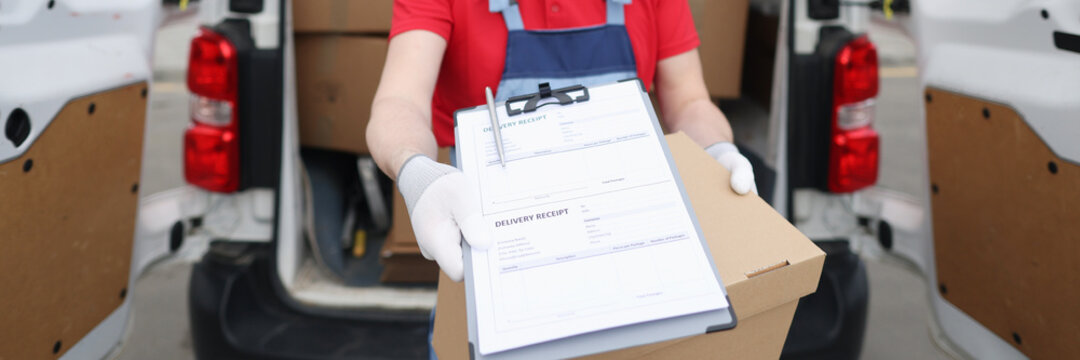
(612, 338)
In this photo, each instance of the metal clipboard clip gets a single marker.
(563, 96)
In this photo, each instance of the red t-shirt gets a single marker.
(476, 41)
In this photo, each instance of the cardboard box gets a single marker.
(721, 25)
(400, 255)
(765, 262)
(342, 16)
(336, 77)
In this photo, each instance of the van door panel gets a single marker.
(1005, 224)
(993, 252)
(69, 205)
(74, 79)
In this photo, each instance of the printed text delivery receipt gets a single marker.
(591, 231)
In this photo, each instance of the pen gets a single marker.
(495, 125)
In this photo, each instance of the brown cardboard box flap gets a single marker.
(342, 16)
(755, 339)
(765, 262)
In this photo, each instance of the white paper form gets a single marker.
(591, 230)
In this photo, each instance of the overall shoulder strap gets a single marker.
(615, 13)
(510, 12)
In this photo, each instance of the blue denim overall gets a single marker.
(591, 55)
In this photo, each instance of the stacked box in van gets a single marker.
(340, 50)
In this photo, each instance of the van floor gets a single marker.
(313, 286)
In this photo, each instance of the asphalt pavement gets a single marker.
(899, 319)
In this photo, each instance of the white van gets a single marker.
(77, 235)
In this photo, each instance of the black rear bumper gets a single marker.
(236, 313)
(830, 323)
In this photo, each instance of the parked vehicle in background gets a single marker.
(1000, 98)
(74, 88)
(294, 232)
(815, 114)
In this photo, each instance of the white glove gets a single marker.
(442, 207)
(742, 174)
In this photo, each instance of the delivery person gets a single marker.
(443, 53)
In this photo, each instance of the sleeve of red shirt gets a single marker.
(675, 28)
(431, 15)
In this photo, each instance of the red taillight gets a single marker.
(211, 158)
(853, 147)
(212, 66)
(853, 162)
(211, 151)
(856, 73)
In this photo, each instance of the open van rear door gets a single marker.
(1001, 252)
(74, 85)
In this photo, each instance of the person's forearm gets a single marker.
(397, 131)
(400, 125)
(701, 120)
(686, 106)
(685, 103)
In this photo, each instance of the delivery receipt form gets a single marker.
(591, 229)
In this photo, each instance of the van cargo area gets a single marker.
(360, 251)
(357, 278)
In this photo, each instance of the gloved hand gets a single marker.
(442, 207)
(742, 174)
